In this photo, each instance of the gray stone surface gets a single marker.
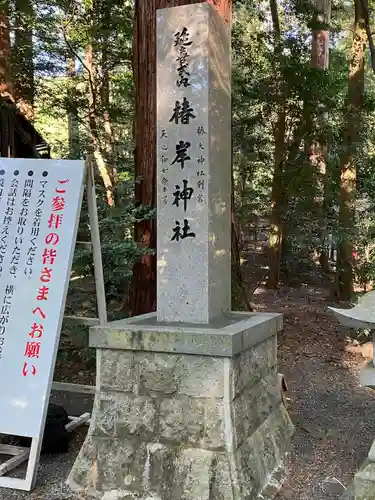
(185, 426)
(252, 364)
(227, 340)
(362, 315)
(364, 482)
(195, 270)
(371, 453)
(117, 370)
(124, 416)
(253, 406)
(196, 376)
(367, 375)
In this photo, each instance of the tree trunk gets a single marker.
(277, 195)
(93, 125)
(105, 13)
(6, 85)
(73, 127)
(320, 35)
(317, 153)
(351, 136)
(142, 294)
(22, 57)
(240, 299)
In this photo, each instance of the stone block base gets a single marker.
(367, 375)
(364, 482)
(185, 423)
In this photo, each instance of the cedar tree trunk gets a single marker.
(348, 173)
(277, 195)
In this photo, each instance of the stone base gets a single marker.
(367, 375)
(364, 482)
(185, 412)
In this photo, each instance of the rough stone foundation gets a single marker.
(183, 426)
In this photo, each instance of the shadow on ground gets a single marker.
(333, 415)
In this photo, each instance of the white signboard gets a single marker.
(40, 202)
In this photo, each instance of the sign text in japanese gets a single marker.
(40, 202)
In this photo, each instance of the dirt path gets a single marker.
(333, 415)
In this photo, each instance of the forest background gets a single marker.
(303, 129)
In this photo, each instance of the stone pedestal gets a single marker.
(367, 375)
(364, 482)
(185, 411)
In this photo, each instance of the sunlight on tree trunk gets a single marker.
(96, 145)
(108, 145)
(317, 153)
(277, 196)
(320, 35)
(348, 173)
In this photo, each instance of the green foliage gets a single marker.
(308, 92)
(70, 92)
(66, 93)
(119, 251)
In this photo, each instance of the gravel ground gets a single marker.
(54, 469)
(333, 415)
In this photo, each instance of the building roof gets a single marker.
(18, 134)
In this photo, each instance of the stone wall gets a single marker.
(169, 426)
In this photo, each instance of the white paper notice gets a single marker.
(40, 203)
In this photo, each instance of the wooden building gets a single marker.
(18, 137)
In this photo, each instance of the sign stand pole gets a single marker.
(96, 248)
(21, 454)
(99, 279)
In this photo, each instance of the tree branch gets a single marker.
(75, 54)
(369, 33)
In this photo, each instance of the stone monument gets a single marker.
(187, 403)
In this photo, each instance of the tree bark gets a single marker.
(142, 294)
(22, 58)
(348, 173)
(277, 195)
(320, 35)
(6, 84)
(73, 126)
(369, 32)
(93, 125)
(105, 14)
(240, 299)
(317, 153)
